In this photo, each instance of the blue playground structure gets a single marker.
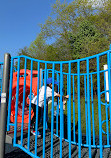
(83, 128)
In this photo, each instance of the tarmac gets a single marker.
(13, 152)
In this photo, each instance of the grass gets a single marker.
(93, 111)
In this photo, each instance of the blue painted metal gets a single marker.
(79, 108)
(110, 47)
(52, 115)
(69, 111)
(86, 109)
(28, 143)
(10, 96)
(74, 134)
(109, 79)
(57, 110)
(92, 101)
(42, 78)
(99, 107)
(23, 106)
(61, 108)
(67, 107)
(44, 118)
(74, 92)
(36, 126)
(17, 99)
(88, 103)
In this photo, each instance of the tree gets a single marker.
(79, 29)
(38, 47)
(69, 25)
(87, 40)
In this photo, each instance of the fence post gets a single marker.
(40, 78)
(109, 97)
(4, 103)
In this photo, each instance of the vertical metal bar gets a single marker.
(62, 115)
(79, 108)
(52, 115)
(17, 98)
(110, 47)
(46, 127)
(69, 126)
(28, 145)
(109, 79)
(57, 105)
(99, 107)
(74, 138)
(42, 78)
(56, 100)
(61, 109)
(45, 102)
(63, 105)
(10, 95)
(36, 125)
(92, 101)
(88, 103)
(48, 73)
(23, 105)
(4, 103)
(46, 117)
(106, 107)
(67, 106)
(85, 92)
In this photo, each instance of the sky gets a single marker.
(97, 3)
(19, 23)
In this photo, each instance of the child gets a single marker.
(41, 100)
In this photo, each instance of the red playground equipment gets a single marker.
(27, 94)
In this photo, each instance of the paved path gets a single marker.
(13, 152)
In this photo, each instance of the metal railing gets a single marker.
(87, 110)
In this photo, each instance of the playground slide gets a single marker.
(27, 94)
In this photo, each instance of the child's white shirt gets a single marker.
(41, 96)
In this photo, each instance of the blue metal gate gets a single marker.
(87, 112)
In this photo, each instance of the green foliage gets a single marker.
(38, 47)
(78, 29)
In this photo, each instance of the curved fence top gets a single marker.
(63, 62)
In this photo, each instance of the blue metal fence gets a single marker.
(87, 107)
